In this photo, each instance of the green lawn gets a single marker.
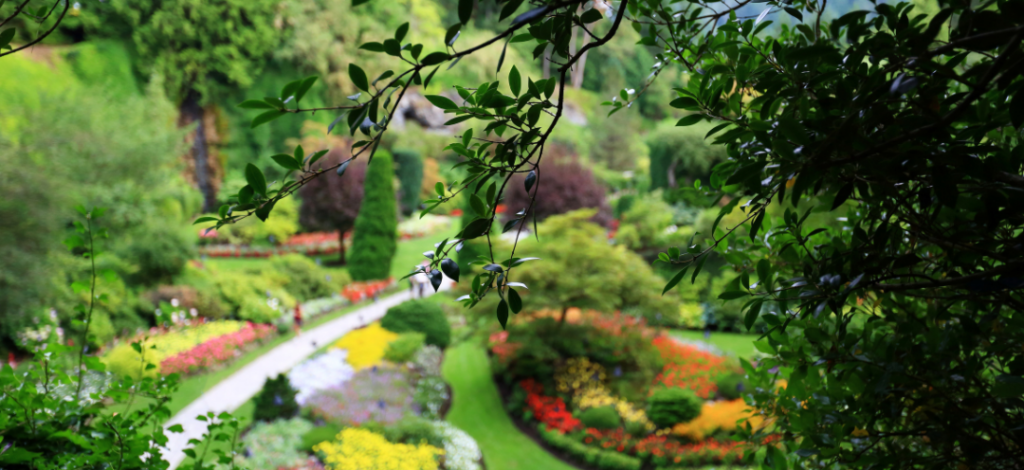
(477, 409)
(734, 344)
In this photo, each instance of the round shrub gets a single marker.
(404, 348)
(600, 417)
(420, 316)
(667, 407)
(636, 428)
(732, 386)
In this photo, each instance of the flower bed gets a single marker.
(215, 351)
(360, 449)
(417, 227)
(379, 395)
(358, 291)
(159, 344)
(327, 370)
(557, 383)
(366, 346)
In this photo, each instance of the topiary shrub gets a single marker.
(421, 316)
(276, 400)
(404, 348)
(409, 169)
(732, 386)
(667, 407)
(376, 230)
(601, 417)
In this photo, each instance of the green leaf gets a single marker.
(591, 16)
(1017, 109)
(356, 3)
(204, 219)
(256, 180)
(503, 313)
(514, 81)
(266, 117)
(478, 205)
(307, 83)
(264, 211)
(442, 102)
(756, 225)
(690, 120)
(358, 77)
(401, 31)
(475, 229)
(176, 428)
(255, 104)
(373, 47)
(6, 36)
(465, 10)
(435, 58)
(514, 301)
(696, 271)
(510, 7)
(675, 280)
(764, 271)
(792, 130)
(684, 103)
(286, 161)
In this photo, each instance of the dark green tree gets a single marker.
(276, 400)
(374, 239)
(409, 168)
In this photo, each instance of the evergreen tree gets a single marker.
(410, 175)
(376, 230)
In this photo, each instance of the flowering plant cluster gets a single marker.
(548, 410)
(717, 416)
(429, 224)
(360, 449)
(585, 381)
(366, 346)
(689, 367)
(357, 291)
(461, 452)
(501, 347)
(215, 351)
(381, 395)
(275, 445)
(327, 370)
(160, 343)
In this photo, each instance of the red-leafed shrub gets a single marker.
(564, 185)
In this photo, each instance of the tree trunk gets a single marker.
(341, 248)
(192, 112)
(565, 313)
(577, 74)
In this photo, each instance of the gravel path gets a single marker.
(241, 386)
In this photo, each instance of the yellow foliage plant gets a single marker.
(366, 346)
(585, 382)
(359, 449)
(714, 416)
(123, 360)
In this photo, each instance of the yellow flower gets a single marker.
(585, 381)
(123, 360)
(359, 449)
(366, 346)
(715, 416)
(858, 432)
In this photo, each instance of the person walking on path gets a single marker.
(297, 324)
(421, 280)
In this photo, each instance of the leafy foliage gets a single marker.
(404, 348)
(422, 316)
(330, 204)
(669, 406)
(732, 386)
(374, 241)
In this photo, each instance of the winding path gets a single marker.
(241, 386)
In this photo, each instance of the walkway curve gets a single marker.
(244, 384)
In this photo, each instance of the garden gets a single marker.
(508, 235)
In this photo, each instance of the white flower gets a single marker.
(321, 372)
(461, 452)
(174, 303)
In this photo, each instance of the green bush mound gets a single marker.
(305, 280)
(405, 347)
(601, 417)
(319, 434)
(422, 316)
(276, 400)
(667, 407)
(732, 386)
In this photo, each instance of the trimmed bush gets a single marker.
(601, 417)
(732, 386)
(667, 407)
(276, 400)
(376, 229)
(409, 169)
(616, 461)
(636, 428)
(404, 348)
(305, 280)
(421, 316)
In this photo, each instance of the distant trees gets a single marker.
(332, 203)
(376, 229)
(567, 186)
